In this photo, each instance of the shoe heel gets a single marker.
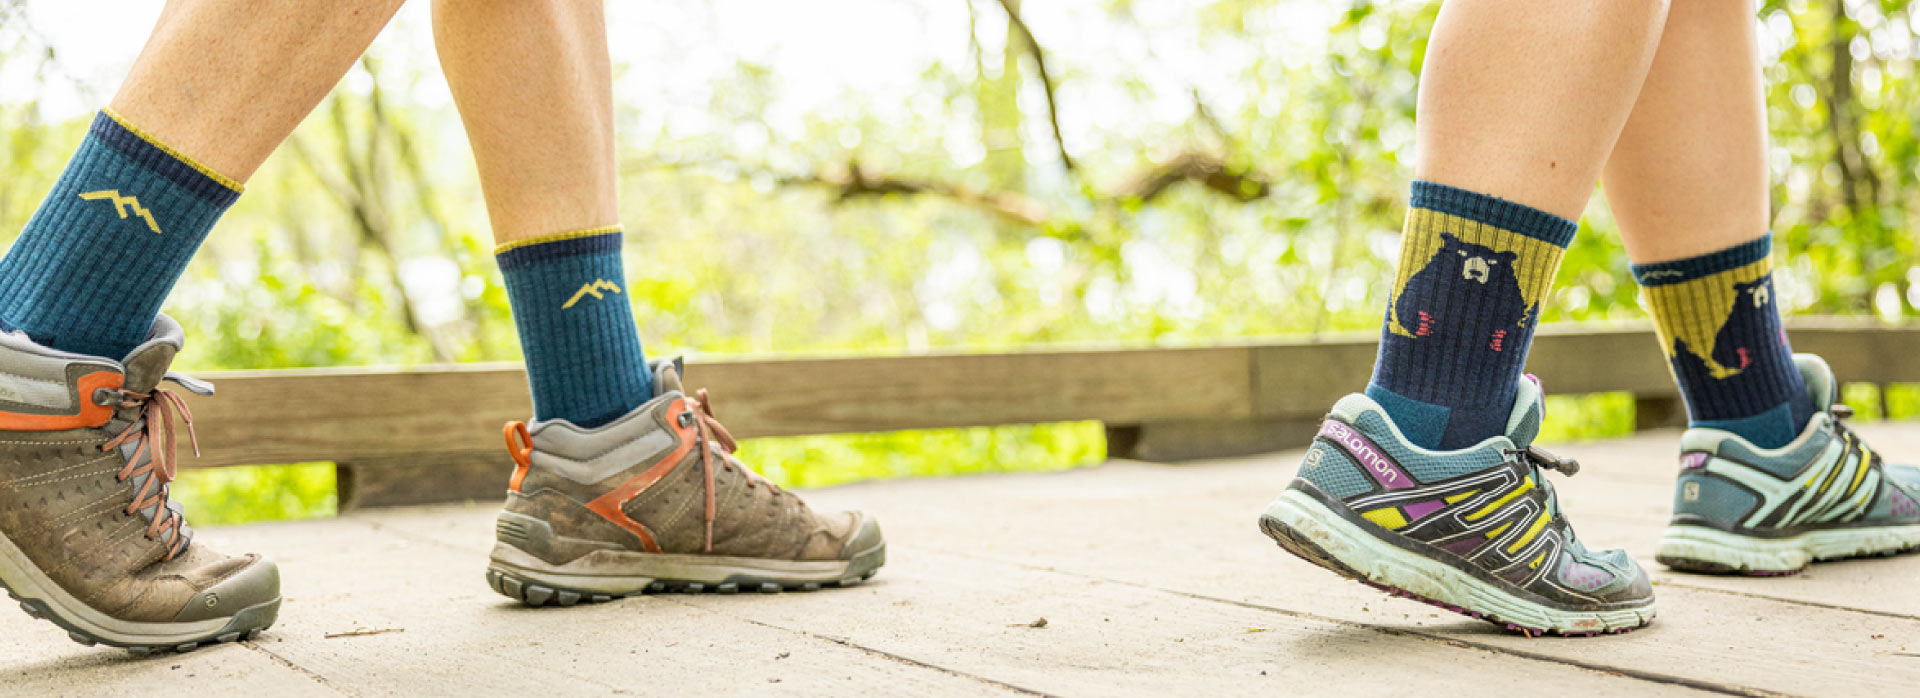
(1710, 551)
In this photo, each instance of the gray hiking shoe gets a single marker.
(1742, 509)
(1477, 531)
(655, 501)
(89, 538)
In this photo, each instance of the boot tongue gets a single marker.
(147, 365)
(1529, 408)
(666, 377)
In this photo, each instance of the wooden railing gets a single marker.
(432, 433)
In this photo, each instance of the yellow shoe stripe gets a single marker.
(1456, 499)
(1495, 533)
(1539, 523)
(1833, 473)
(1389, 518)
(1860, 473)
(1496, 504)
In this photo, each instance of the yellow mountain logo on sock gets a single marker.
(591, 289)
(123, 205)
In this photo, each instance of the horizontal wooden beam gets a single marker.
(453, 413)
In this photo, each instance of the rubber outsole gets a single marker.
(528, 587)
(245, 625)
(1302, 545)
(535, 593)
(1703, 550)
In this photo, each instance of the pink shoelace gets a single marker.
(153, 456)
(711, 431)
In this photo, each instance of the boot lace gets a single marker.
(151, 434)
(712, 433)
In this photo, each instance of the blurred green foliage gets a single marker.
(949, 219)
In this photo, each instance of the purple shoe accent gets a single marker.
(1580, 575)
(1696, 459)
(1372, 460)
(1465, 546)
(1903, 505)
(1518, 574)
(1419, 510)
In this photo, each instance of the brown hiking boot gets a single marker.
(89, 538)
(655, 501)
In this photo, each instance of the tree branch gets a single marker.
(1046, 81)
(1243, 185)
(856, 182)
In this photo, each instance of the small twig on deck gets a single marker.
(364, 633)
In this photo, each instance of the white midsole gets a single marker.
(1782, 554)
(28, 582)
(626, 572)
(1387, 564)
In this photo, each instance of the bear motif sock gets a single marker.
(1473, 272)
(1717, 322)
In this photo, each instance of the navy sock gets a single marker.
(96, 261)
(1473, 271)
(584, 361)
(1721, 331)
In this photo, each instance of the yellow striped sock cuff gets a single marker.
(131, 140)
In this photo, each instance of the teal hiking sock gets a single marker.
(1473, 271)
(1720, 329)
(96, 261)
(584, 361)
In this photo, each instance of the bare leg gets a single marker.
(535, 89)
(218, 86)
(1520, 102)
(225, 81)
(1689, 175)
(1523, 99)
(1688, 184)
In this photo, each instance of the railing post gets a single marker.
(1169, 442)
(1658, 412)
(425, 480)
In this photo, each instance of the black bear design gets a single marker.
(1475, 279)
(1750, 326)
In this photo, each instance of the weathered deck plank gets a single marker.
(1153, 580)
(1136, 524)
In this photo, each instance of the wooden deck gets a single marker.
(1125, 579)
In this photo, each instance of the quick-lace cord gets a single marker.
(153, 455)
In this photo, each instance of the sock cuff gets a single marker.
(519, 253)
(148, 152)
(1684, 270)
(1494, 211)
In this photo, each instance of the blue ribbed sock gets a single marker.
(94, 264)
(1721, 331)
(1473, 271)
(568, 292)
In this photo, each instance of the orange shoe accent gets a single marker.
(521, 450)
(89, 414)
(609, 505)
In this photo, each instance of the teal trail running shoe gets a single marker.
(1743, 509)
(1477, 531)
